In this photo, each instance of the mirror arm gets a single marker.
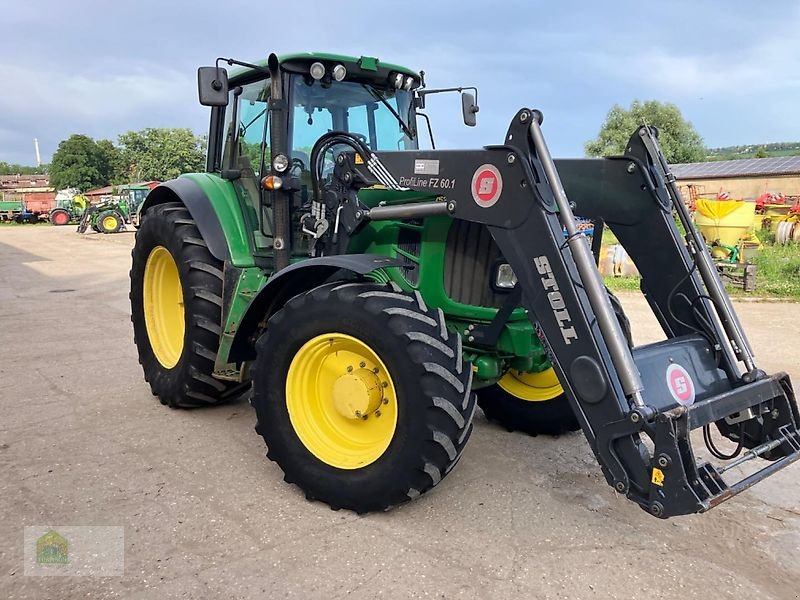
(232, 61)
(423, 93)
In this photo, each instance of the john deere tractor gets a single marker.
(108, 215)
(372, 293)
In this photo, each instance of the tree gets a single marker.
(161, 154)
(111, 158)
(15, 169)
(678, 138)
(761, 153)
(80, 162)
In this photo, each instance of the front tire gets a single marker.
(532, 403)
(535, 403)
(109, 221)
(176, 309)
(361, 395)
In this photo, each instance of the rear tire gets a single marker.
(189, 381)
(432, 408)
(60, 216)
(550, 416)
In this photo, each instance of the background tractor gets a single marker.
(373, 293)
(69, 207)
(107, 215)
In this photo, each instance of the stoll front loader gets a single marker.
(372, 293)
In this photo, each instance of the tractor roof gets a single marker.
(366, 65)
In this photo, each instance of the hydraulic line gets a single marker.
(584, 260)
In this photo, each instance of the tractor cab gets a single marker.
(267, 117)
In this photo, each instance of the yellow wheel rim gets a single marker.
(533, 387)
(109, 223)
(341, 399)
(163, 307)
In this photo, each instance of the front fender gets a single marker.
(216, 210)
(295, 279)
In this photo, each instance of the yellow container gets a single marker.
(774, 214)
(725, 221)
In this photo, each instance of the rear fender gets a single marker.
(215, 209)
(293, 280)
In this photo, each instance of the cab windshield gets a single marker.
(377, 116)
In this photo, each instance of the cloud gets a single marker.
(52, 103)
(762, 68)
(56, 93)
(127, 65)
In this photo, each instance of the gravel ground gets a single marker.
(205, 515)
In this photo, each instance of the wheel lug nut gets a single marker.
(385, 384)
(377, 413)
(362, 364)
(349, 369)
(375, 370)
(386, 401)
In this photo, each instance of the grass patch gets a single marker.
(625, 284)
(778, 275)
(15, 224)
(778, 271)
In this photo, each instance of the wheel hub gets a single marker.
(341, 400)
(533, 387)
(163, 307)
(357, 394)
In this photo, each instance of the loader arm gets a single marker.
(661, 391)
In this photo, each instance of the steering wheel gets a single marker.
(298, 166)
(299, 160)
(361, 137)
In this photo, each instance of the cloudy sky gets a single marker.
(103, 67)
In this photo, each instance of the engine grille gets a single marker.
(470, 256)
(410, 240)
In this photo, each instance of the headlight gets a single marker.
(280, 163)
(398, 80)
(317, 70)
(339, 72)
(504, 277)
(409, 82)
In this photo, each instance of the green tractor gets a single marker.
(372, 294)
(108, 215)
(68, 208)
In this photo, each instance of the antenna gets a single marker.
(38, 156)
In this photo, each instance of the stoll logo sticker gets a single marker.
(487, 184)
(680, 385)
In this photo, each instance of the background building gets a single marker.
(742, 179)
(35, 190)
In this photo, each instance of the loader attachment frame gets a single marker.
(660, 391)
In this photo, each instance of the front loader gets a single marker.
(372, 294)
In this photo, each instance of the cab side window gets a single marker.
(246, 141)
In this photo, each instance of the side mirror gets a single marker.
(468, 109)
(212, 86)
